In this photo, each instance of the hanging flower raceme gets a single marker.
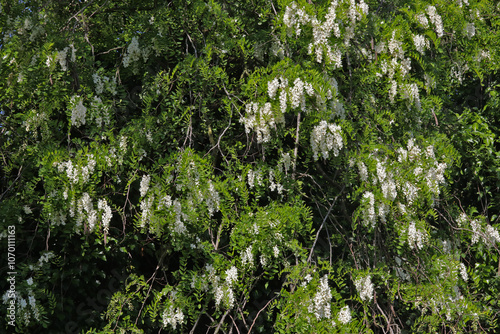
(320, 305)
(260, 119)
(326, 138)
(364, 286)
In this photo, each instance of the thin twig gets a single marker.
(17, 178)
(195, 52)
(152, 278)
(195, 324)
(234, 325)
(80, 11)
(262, 309)
(220, 322)
(47, 240)
(124, 220)
(323, 223)
(106, 52)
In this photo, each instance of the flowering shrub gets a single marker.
(286, 166)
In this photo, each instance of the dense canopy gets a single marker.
(250, 166)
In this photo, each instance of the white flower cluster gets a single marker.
(276, 251)
(448, 304)
(165, 202)
(393, 90)
(463, 272)
(99, 112)
(416, 237)
(436, 20)
(326, 138)
(307, 279)
(106, 216)
(274, 185)
(144, 185)
(421, 43)
(44, 258)
(294, 17)
(320, 305)
(478, 15)
(146, 208)
(78, 111)
(134, 53)
(399, 63)
(212, 199)
(388, 187)
(344, 315)
(259, 119)
(460, 3)
(123, 144)
(57, 218)
(172, 316)
(180, 210)
(410, 191)
(285, 162)
(474, 224)
(23, 311)
(369, 216)
(396, 46)
(85, 210)
(470, 30)
(321, 34)
(447, 246)
(273, 85)
(252, 176)
(75, 173)
(434, 176)
(483, 54)
(263, 260)
(489, 234)
(410, 92)
(363, 171)
(27, 210)
(180, 217)
(231, 275)
(381, 171)
(422, 19)
(117, 157)
(276, 48)
(148, 196)
(223, 291)
(389, 191)
(364, 286)
(296, 95)
(62, 56)
(428, 174)
(104, 82)
(28, 25)
(247, 257)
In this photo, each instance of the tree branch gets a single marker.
(323, 223)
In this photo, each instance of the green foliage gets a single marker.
(254, 166)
